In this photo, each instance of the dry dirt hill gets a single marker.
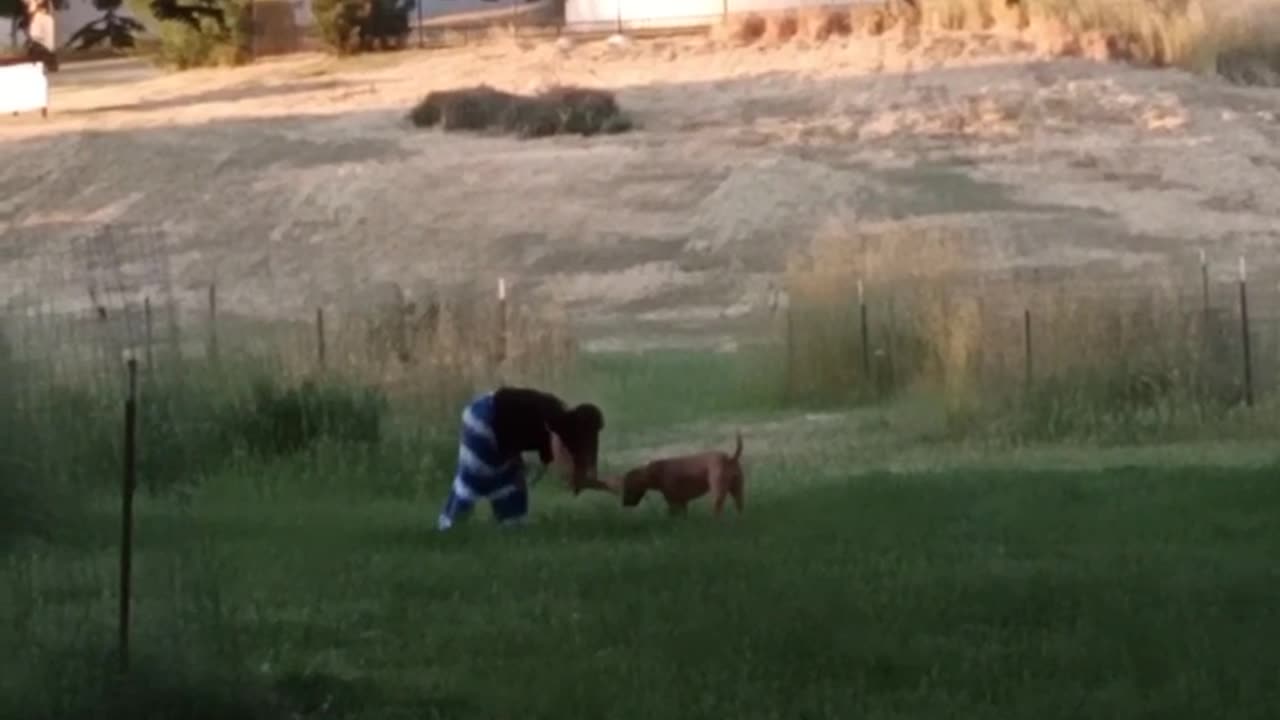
(296, 182)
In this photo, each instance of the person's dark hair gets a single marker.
(579, 431)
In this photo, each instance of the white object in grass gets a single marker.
(23, 88)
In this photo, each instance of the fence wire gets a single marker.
(1143, 339)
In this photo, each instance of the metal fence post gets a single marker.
(128, 483)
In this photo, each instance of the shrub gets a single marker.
(824, 23)
(203, 34)
(349, 25)
(337, 20)
(282, 421)
(477, 108)
(558, 111)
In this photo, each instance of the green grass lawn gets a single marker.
(1010, 594)
(881, 569)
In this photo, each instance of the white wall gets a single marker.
(659, 13)
(430, 8)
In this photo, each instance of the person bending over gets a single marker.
(497, 427)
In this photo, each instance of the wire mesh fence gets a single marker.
(216, 382)
(231, 364)
(1178, 345)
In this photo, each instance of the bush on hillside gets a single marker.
(558, 111)
(348, 26)
(207, 33)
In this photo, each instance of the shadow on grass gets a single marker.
(80, 684)
(988, 594)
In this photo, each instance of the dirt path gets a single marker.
(297, 181)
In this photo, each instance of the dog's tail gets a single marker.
(737, 450)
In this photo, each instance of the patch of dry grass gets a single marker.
(1242, 44)
(813, 24)
(1110, 358)
(1240, 40)
(436, 347)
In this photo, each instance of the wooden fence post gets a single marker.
(891, 345)
(790, 335)
(502, 320)
(1244, 335)
(321, 350)
(1204, 286)
(865, 332)
(1027, 348)
(213, 321)
(147, 330)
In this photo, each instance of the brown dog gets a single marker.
(686, 478)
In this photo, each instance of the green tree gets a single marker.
(349, 25)
(117, 31)
(199, 32)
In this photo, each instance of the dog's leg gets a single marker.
(716, 481)
(736, 491)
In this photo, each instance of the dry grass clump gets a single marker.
(433, 346)
(557, 111)
(809, 24)
(476, 108)
(1245, 48)
(1238, 41)
(824, 23)
(743, 29)
(783, 27)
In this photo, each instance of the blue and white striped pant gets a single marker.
(482, 474)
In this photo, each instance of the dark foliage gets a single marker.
(558, 111)
(190, 14)
(282, 421)
(111, 29)
(351, 25)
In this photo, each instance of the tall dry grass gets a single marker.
(1241, 41)
(1113, 358)
(375, 412)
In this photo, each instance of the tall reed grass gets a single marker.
(1239, 41)
(377, 407)
(1022, 356)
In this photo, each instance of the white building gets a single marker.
(597, 14)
